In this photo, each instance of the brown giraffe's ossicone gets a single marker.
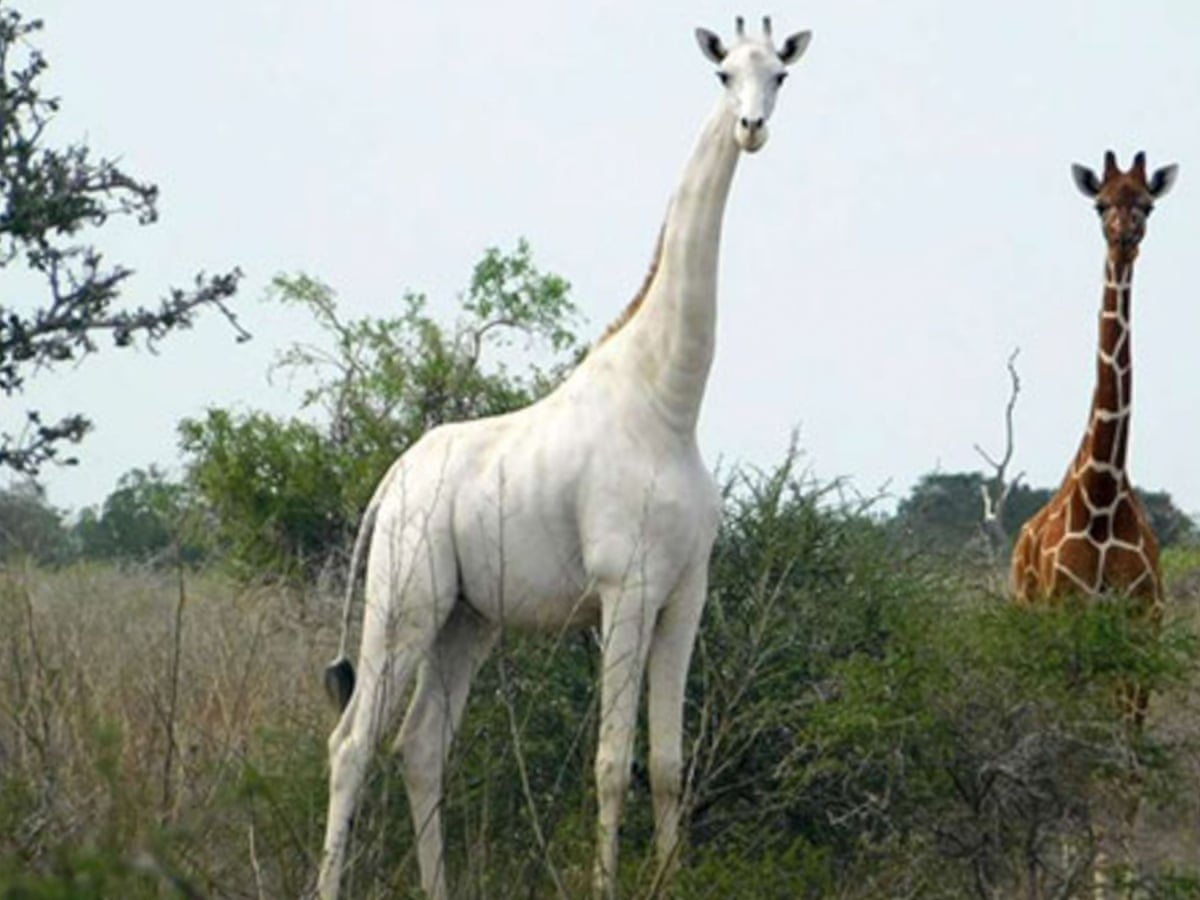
(1093, 536)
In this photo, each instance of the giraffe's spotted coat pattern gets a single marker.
(1093, 538)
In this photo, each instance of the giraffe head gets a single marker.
(1124, 200)
(752, 71)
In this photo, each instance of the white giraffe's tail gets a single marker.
(339, 674)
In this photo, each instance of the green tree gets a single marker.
(945, 509)
(287, 492)
(145, 519)
(30, 528)
(1172, 526)
(271, 488)
(52, 198)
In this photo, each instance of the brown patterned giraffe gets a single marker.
(1093, 537)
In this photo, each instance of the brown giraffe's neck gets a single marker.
(1100, 463)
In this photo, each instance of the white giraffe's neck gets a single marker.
(672, 336)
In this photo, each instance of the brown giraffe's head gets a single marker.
(1124, 200)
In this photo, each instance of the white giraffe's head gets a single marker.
(752, 71)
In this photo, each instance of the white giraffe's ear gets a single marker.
(1085, 180)
(794, 46)
(710, 45)
(1162, 180)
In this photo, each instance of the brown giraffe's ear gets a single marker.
(1085, 180)
(1161, 181)
(710, 45)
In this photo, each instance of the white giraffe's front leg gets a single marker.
(670, 657)
(627, 623)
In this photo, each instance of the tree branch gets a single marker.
(49, 196)
(997, 488)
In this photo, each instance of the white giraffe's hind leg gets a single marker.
(350, 748)
(443, 683)
(407, 604)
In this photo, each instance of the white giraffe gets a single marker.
(590, 506)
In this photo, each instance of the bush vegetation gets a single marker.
(863, 723)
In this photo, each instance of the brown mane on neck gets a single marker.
(635, 304)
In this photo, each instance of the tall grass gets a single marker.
(156, 736)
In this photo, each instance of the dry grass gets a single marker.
(137, 715)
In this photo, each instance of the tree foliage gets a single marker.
(272, 489)
(30, 528)
(944, 511)
(287, 492)
(1171, 525)
(52, 200)
(145, 519)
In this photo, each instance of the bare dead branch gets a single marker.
(996, 489)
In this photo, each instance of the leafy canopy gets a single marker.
(286, 493)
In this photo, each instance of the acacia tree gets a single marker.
(284, 493)
(52, 200)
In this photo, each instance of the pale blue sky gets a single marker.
(911, 220)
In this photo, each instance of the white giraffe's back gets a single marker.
(590, 466)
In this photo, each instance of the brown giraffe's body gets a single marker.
(1093, 537)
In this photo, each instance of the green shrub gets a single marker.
(284, 494)
(863, 722)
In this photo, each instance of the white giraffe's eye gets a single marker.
(723, 77)
(779, 79)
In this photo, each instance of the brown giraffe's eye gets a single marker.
(1101, 207)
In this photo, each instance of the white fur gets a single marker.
(590, 506)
